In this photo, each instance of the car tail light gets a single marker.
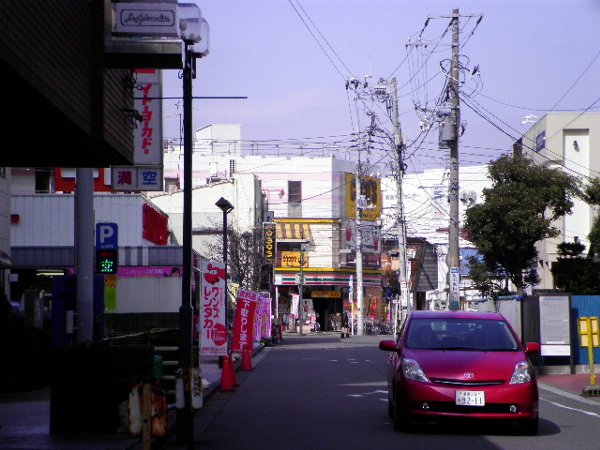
(523, 373)
(412, 370)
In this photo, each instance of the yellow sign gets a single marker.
(589, 332)
(371, 190)
(326, 294)
(292, 259)
(589, 336)
(110, 293)
(269, 239)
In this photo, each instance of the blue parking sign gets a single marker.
(107, 236)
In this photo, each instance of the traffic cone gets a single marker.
(232, 369)
(247, 359)
(227, 382)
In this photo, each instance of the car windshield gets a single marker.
(460, 334)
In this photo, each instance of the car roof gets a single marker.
(460, 314)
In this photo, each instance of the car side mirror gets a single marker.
(389, 346)
(532, 347)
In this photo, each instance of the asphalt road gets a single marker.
(321, 392)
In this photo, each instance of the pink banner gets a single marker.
(264, 318)
(245, 320)
(213, 333)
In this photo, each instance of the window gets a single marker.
(294, 191)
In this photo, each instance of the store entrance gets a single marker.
(329, 313)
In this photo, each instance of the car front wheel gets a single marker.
(400, 416)
(529, 427)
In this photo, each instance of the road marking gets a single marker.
(583, 411)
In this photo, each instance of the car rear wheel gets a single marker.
(399, 416)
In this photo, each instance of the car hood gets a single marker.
(453, 364)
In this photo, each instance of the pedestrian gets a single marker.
(345, 324)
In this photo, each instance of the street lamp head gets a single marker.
(224, 205)
(193, 28)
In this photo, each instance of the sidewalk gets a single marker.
(25, 421)
(577, 384)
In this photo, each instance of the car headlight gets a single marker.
(523, 373)
(412, 370)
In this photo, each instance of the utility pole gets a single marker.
(300, 288)
(453, 228)
(399, 147)
(359, 265)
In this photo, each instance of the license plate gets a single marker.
(470, 398)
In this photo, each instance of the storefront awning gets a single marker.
(293, 232)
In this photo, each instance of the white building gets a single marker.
(243, 191)
(426, 211)
(567, 141)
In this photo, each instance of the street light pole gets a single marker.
(225, 206)
(184, 411)
(194, 29)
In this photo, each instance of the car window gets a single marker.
(461, 334)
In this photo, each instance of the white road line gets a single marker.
(583, 411)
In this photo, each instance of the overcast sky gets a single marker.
(291, 59)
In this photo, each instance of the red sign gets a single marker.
(244, 323)
(213, 334)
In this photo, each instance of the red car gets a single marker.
(461, 365)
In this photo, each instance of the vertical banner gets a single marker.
(294, 308)
(245, 318)
(213, 334)
(263, 319)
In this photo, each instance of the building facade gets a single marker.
(311, 200)
(569, 142)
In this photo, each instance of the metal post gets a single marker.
(453, 228)
(300, 289)
(84, 240)
(226, 207)
(185, 432)
(225, 244)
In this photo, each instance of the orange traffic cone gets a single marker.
(247, 359)
(232, 369)
(227, 382)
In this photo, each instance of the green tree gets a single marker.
(519, 210)
(573, 272)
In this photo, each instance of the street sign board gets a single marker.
(454, 288)
(107, 236)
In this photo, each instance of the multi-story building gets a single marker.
(567, 141)
(311, 200)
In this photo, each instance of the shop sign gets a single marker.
(145, 19)
(326, 294)
(292, 259)
(269, 239)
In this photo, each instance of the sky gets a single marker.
(291, 59)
